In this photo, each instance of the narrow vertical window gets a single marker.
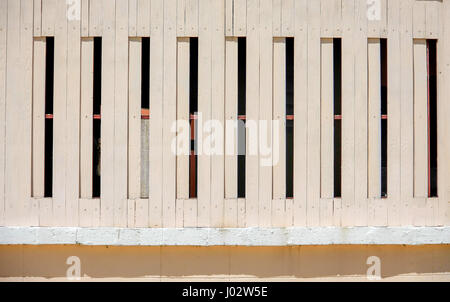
(375, 105)
(330, 115)
(289, 117)
(193, 109)
(432, 118)
(337, 92)
(425, 119)
(242, 61)
(97, 96)
(185, 123)
(49, 80)
(138, 117)
(232, 122)
(384, 116)
(145, 116)
(42, 117)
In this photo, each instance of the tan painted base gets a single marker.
(301, 263)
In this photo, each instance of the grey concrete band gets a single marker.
(225, 236)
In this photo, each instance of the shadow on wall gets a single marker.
(222, 262)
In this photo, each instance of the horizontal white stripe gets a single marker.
(225, 236)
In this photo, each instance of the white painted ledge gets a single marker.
(225, 236)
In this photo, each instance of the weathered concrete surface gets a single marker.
(225, 236)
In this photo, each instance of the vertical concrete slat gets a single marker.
(420, 119)
(107, 128)
(121, 114)
(132, 18)
(183, 134)
(231, 115)
(300, 113)
(60, 138)
(266, 138)
(407, 110)
(218, 112)
(313, 142)
(73, 114)
(327, 120)
(156, 109)
(84, 11)
(252, 162)
(169, 114)
(204, 109)
(240, 17)
(3, 89)
(394, 114)
(37, 18)
(143, 18)
(86, 121)
(349, 34)
(39, 49)
(134, 118)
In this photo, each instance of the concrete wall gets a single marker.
(216, 263)
(406, 24)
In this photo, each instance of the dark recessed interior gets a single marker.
(242, 78)
(48, 140)
(193, 108)
(337, 79)
(97, 98)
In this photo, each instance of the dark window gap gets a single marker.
(289, 122)
(432, 118)
(242, 76)
(48, 139)
(97, 75)
(384, 120)
(97, 97)
(193, 161)
(193, 75)
(145, 115)
(145, 73)
(384, 158)
(193, 108)
(241, 159)
(48, 158)
(337, 156)
(384, 76)
(49, 70)
(337, 89)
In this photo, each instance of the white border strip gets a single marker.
(225, 236)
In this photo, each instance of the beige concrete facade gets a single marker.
(299, 263)
(145, 183)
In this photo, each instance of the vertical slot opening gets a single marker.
(145, 115)
(48, 149)
(384, 116)
(145, 76)
(289, 117)
(193, 108)
(97, 96)
(337, 92)
(432, 118)
(242, 74)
